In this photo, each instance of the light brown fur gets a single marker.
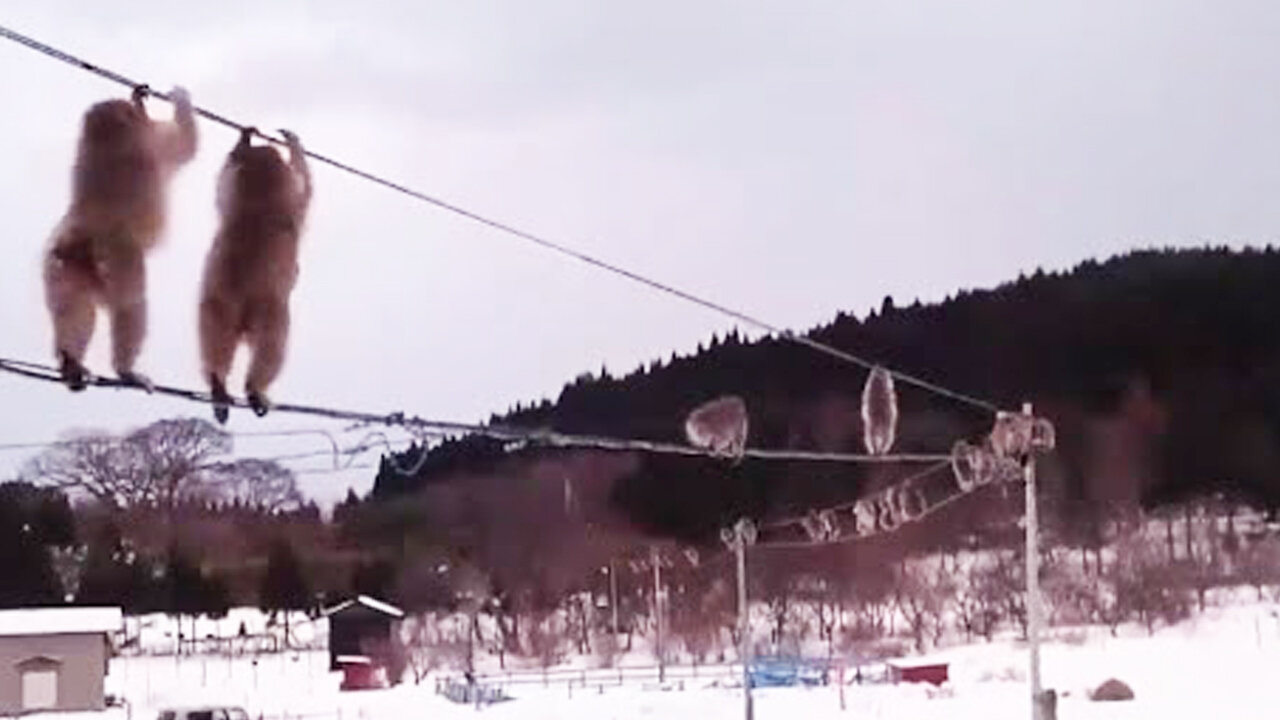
(252, 267)
(97, 254)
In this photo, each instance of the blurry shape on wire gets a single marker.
(977, 465)
(1044, 437)
(719, 425)
(864, 515)
(972, 465)
(821, 526)
(879, 412)
(887, 516)
(1011, 434)
(911, 502)
(830, 524)
(1016, 435)
(811, 527)
(744, 530)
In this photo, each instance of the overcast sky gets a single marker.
(791, 159)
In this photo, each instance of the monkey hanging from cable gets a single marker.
(252, 267)
(96, 257)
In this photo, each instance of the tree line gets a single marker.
(1158, 368)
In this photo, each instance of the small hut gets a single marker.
(54, 659)
(357, 624)
(934, 673)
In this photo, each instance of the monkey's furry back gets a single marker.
(256, 247)
(117, 191)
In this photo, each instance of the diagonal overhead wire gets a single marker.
(527, 236)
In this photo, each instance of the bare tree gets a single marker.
(157, 465)
(1260, 565)
(263, 484)
(870, 595)
(91, 464)
(544, 637)
(174, 454)
(431, 643)
(1004, 582)
(1144, 584)
(922, 595)
(978, 608)
(696, 617)
(1068, 593)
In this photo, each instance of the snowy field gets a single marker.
(1220, 662)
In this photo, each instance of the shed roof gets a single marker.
(366, 601)
(60, 620)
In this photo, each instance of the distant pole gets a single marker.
(1034, 609)
(840, 679)
(613, 596)
(742, 535)
(656, 560)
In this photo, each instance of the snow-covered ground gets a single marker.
(1222, 662)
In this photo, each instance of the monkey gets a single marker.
(252, 266)
(879, 412)
(96, 256)
(719, 425)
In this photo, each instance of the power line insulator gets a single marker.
(864, 515)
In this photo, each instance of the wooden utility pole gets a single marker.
(655, 558)
(742, 535)
(1035, 610)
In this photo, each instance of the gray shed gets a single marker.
(55, 658)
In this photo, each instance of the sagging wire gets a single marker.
(422, 436)
(511, 230)
(540, 437)
(997, 461)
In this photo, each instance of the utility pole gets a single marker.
(655, 559)
(1034, 608)
(742, 535)
(613, 596)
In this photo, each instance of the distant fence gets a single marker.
(219, 645)
(469, 693)
(338, 714)
(611, 677)
(678, 676)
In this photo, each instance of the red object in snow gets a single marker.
(360, 673)
(935, 674)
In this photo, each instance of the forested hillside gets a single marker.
(1159, 369)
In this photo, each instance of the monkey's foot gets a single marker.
(73, 373)
(259, 402)
(133, 378)
(221, 400)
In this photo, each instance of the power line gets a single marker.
(539, 240)
(517, 436)
(842, 538)
(240, 435)
(850, 504)
(331, 471)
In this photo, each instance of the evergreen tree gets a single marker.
(284, 586)
(30, 522)
(114, 574)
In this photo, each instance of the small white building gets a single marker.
(55, 658)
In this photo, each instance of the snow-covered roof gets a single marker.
(371, 603)
(60, 620)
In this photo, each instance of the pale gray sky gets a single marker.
(789, 158)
